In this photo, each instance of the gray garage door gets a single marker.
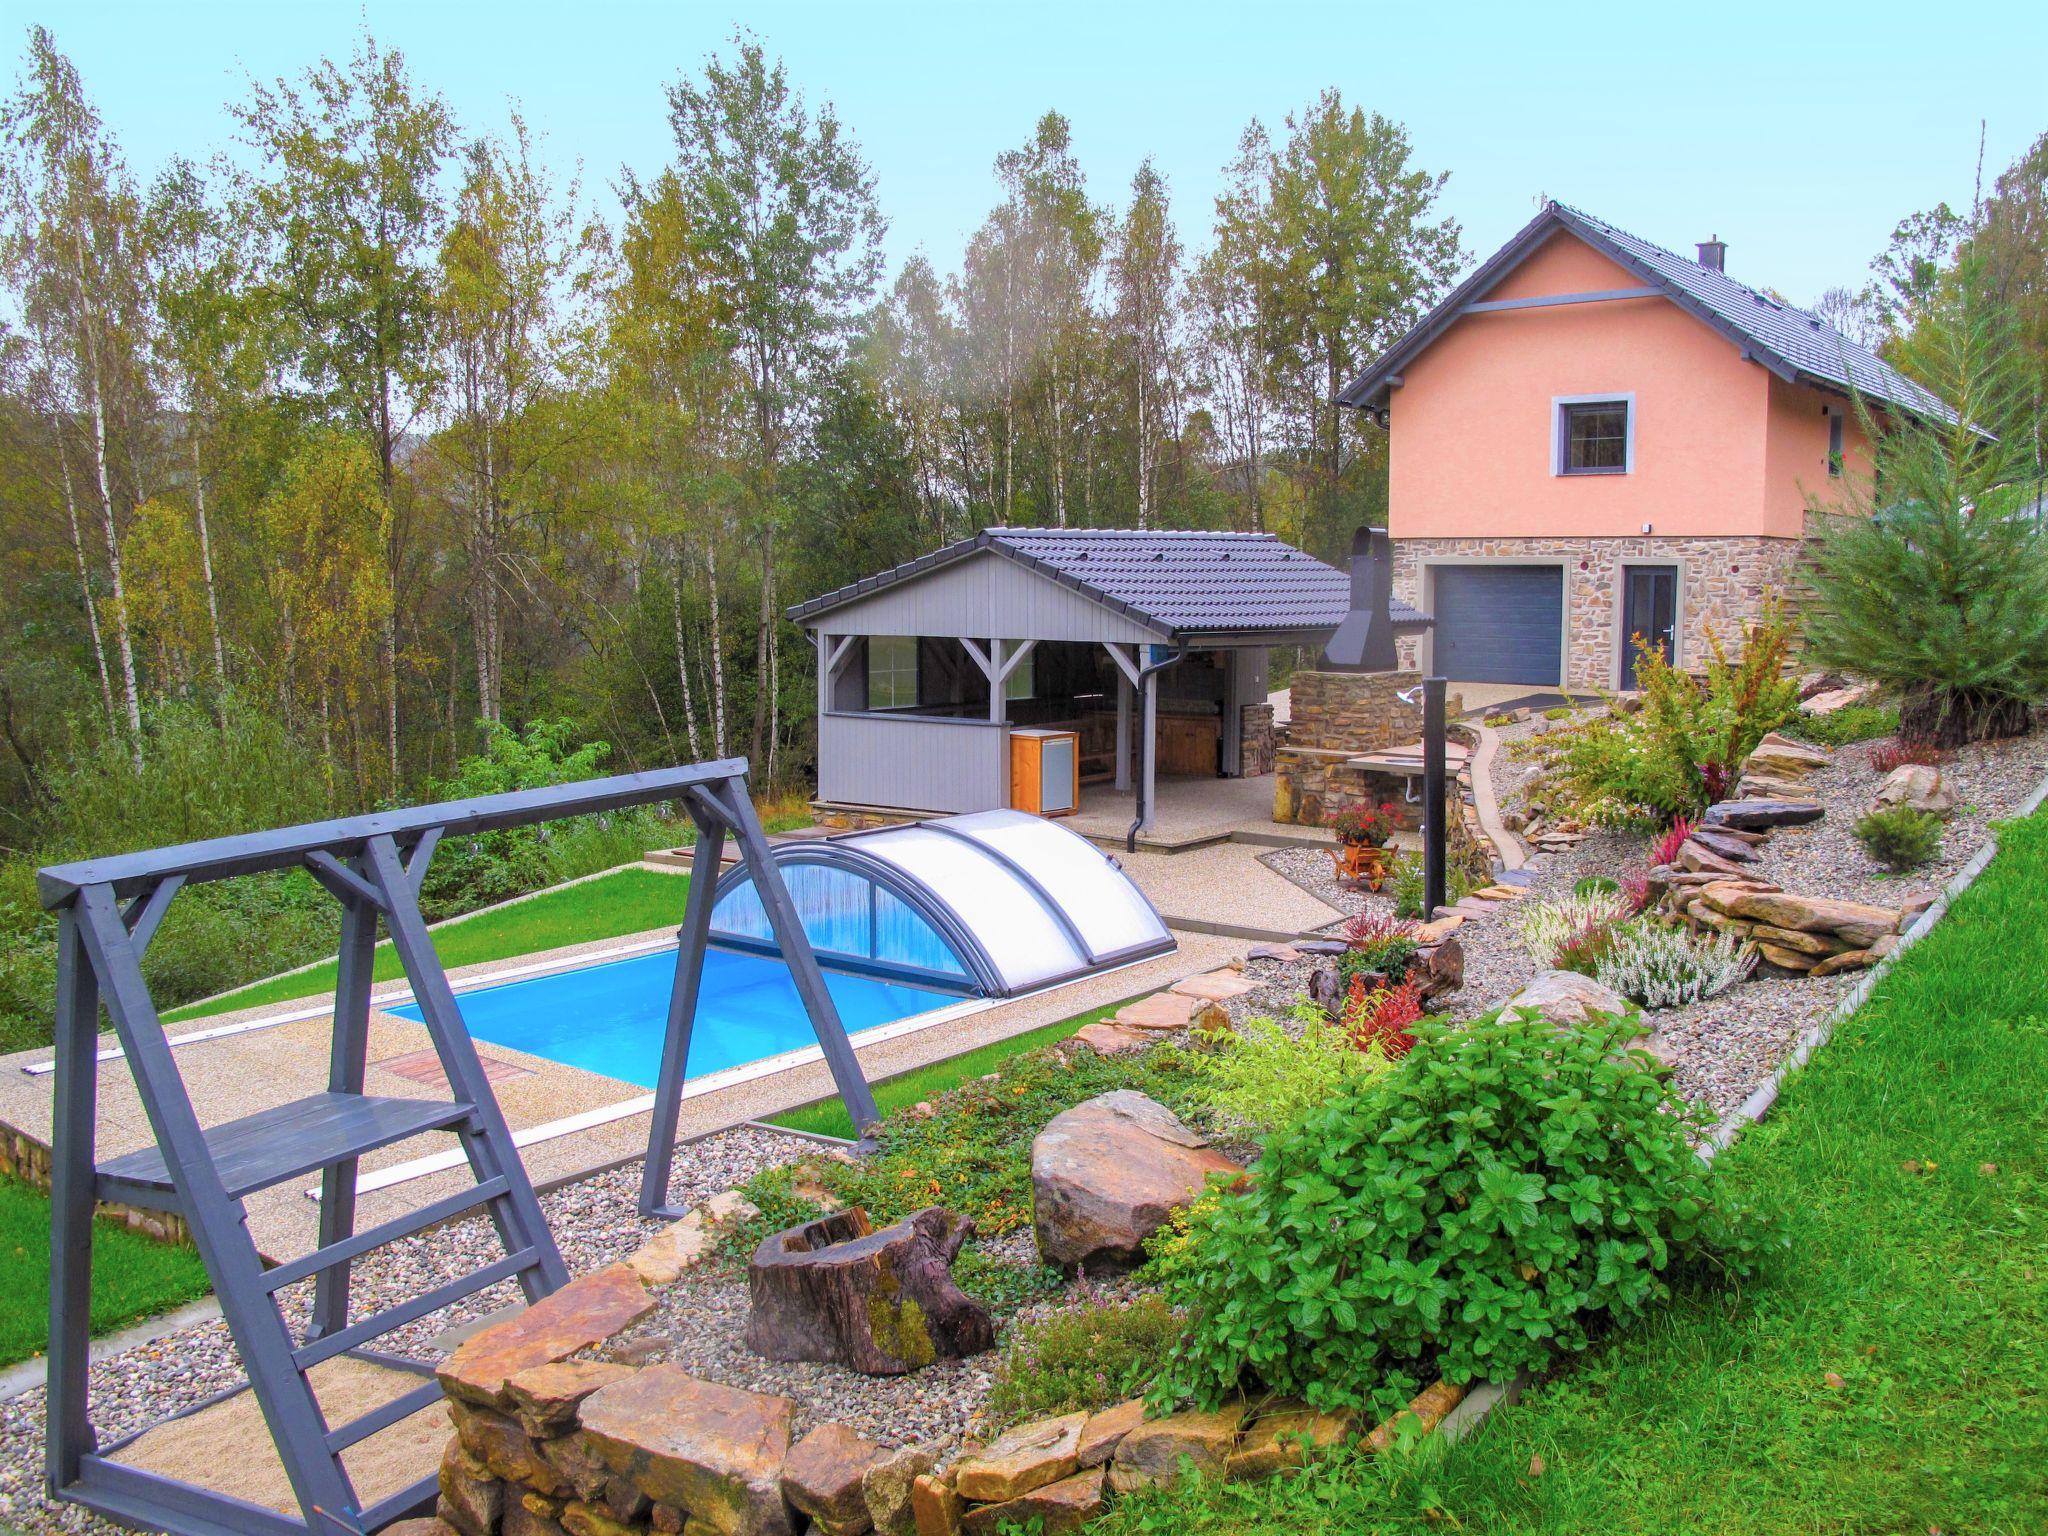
(1499, 623)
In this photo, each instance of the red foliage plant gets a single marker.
(1381, 1017)
(1900, 750)
(1371, 929)
(1583, 950)
(1635, 890)
(1665, 849)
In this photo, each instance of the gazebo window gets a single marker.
(892, 672)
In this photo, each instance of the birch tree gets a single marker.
(71, 251)
(1145, 274)
(784, 208)
(346, 207)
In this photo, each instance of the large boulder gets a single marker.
(1106, 1174)
(1916, 785)
(1566, 997)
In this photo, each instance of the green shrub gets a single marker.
(1262, 1078)
(1900, 837)
(1082, 1360)
(1502, 1191)
(1683, 748)
(1852, 722)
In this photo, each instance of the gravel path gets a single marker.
(595, 1222)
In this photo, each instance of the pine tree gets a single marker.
(1932, 576)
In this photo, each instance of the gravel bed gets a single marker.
(1310, 868)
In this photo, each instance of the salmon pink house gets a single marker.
(1594, 437)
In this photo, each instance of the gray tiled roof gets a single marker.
(1184, 583)
(1791, 342)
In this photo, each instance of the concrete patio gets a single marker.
(1191, 812)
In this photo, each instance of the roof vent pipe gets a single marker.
(1714, 254)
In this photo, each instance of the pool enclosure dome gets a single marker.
(992, 904)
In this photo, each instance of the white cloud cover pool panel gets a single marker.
(998, 903)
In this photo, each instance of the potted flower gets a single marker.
(1363, 832)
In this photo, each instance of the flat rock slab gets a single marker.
(1858, 925)
(886, 1487)
(1059, 1508)
(1156, 1452)
(1106, 1174)
(822, 1478)
(1024, 1458)
(586, 1311)
(1214, 986)
(1105, 1430)
(1761, 815)
(1107, 1039)
(1162, 1010)
(544, 1399)
(714, 1451)
(1285, 1436)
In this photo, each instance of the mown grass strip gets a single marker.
(828, 1117)
(609, 907)
(1888, 1370)
(132, 1276)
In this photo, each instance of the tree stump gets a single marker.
(883, 1303)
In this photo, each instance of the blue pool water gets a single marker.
(609, 1018)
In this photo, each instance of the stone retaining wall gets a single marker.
(551, 1439)
(25, 1158)
(1723, 583)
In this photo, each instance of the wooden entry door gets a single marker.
(1650, 609)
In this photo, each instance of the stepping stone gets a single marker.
(1024, 1458)
(1214, 987)
(1106, 1039)
(1321, 946)
(1162, 1010)
(1760, 815)
(1498, 893)
(586, 1311)
(1272, 952)
(1436, 932)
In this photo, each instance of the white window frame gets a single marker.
(1559, 445)
(892, 671)
(1838, 442)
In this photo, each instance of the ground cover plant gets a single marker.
(1850, 723)
(133, 1276)
(1495, 1198)
(1879, 1373)
(1084, 1359)
(1265, 1076)
(828, 1117)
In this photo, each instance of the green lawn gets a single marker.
(626, 901)
(829, 1117)
(132, 1276)
(1886, 1373)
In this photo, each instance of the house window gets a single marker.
(1018, 684)
(1593, 437)
(1835, 444)
(892, 672)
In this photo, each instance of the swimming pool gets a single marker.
(609, 1018)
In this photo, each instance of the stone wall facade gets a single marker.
(1257, 739)
(1723, 583)
(1352, 712)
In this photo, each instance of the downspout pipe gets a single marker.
(1149, 751)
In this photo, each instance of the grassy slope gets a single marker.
(132, 1276)
(628, 901)
(1925, 1292)
(829, 1117)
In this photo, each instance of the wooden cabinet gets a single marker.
(1190, 745)
(1045, 771)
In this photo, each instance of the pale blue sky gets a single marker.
(1800, 133)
